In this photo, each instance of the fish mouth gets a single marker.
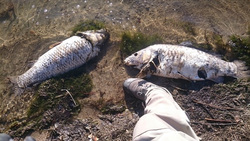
(104, 32)
(130, 65)
(96, 37)
(127, 62)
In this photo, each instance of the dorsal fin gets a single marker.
(55, 44)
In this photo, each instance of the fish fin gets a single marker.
(187, 44)
(144, 74)
(141, 74)
(242, 69)
(12, 79)
(144, 71)
(150, 67)
(15, 87)
(31, 63)
(18, 90)
(55, 44)
(219, 79)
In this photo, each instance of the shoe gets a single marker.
(29, 138)
(5, 137)
(137, 87)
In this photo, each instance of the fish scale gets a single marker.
(70, 54)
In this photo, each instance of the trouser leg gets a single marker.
(163, 114)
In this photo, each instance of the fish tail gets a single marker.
(242, 70)
(13, 79)
(15, 86)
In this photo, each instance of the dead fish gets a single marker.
(181, 62)
(65, 56)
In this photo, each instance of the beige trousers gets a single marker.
(163, 119)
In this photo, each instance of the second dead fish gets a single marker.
(180, 62)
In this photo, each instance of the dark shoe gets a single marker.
(29, 138)
(137, 87)
(5, 137)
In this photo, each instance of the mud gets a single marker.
(28, 29)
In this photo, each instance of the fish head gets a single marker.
(96, 37)
(139, 58)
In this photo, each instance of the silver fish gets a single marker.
(69, 54)
(180, 62)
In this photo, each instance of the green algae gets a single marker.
(241, 48)
(54, 100)
(237, 48)
(134, 41)
(206, 46)
(88, 25)
(48, 93)
(44, 97)
(188, 28)
(185, 26)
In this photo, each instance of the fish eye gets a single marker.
(135, 54)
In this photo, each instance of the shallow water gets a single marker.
(51, 19)
(27, 28)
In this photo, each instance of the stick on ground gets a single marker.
(217, 107)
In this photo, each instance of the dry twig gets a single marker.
(215, 124)
(208, 111)
(219, 120)
(70, 96)
(217, 107)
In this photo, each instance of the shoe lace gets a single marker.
(146, 86)
(144, 89)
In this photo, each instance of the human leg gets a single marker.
(162, 114)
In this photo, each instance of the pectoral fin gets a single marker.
(16, 88)
(55, 44)
(219, 79)
(31, 63)
(141, 75)
(144, 71)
